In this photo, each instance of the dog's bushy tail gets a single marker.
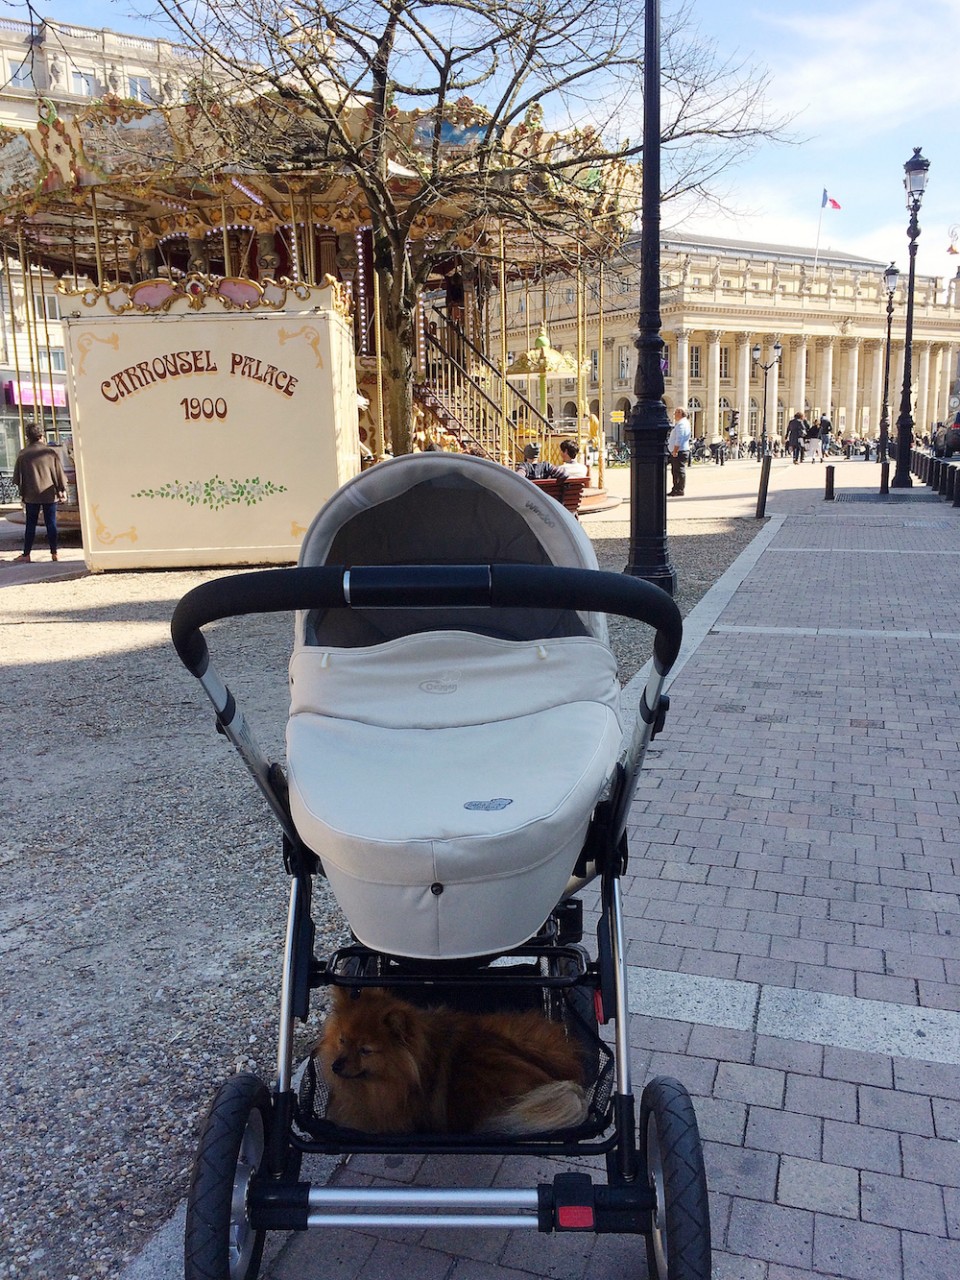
(560, 1104)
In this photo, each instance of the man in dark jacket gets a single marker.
(532, 467)
(795, 436)
(38, 474)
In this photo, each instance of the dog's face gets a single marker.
(365, 1038)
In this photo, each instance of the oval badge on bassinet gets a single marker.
(500, 802)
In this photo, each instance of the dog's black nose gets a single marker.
(338, 1065)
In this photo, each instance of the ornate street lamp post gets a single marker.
(648, 427)
(915, 181)
(890, 278)
(757, 353)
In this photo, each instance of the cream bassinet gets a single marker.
(444, 764)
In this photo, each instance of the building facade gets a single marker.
(722, 298)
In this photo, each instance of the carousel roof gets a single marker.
(118, 169)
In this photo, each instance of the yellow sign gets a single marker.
(617, 415)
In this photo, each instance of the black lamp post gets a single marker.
(757, 353)
(648, 426)
(890, 278)
(915, 181)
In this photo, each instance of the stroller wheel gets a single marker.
(220, 1243)
(678, 1246)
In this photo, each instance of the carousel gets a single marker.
(223, 221)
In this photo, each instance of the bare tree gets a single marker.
(449, 119)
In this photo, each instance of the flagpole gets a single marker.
(816, 252)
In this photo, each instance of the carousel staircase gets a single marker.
(464, 396)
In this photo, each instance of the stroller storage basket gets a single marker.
(322, 1134)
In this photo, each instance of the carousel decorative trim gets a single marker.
(232, 293)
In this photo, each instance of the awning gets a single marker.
(26, 393)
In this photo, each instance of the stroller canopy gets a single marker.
(442, 508)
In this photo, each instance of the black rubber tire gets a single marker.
(218, 1243)
(678, 1246)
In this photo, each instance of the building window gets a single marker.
(141, 90)
(52, 358)
(754, 417)
(568, 295)
(665, 360)
(694, 362)
(623, 363)
(725, 363)
(521, 304)
(84, 84)
(594, 367)
(46, 304)
(21, 76)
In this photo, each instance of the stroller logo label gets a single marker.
(500, 802)
(446, 682)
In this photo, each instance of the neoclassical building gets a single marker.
(721, 298)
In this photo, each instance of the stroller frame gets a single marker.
(246, 1179)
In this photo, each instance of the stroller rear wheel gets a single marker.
(678, 1246)
(220, 1243)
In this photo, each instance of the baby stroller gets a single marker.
(457, 769)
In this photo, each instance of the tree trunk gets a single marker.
(397, 349)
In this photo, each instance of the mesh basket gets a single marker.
(311, 1104)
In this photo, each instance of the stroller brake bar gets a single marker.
(424, 586)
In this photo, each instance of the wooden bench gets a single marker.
(567, 492)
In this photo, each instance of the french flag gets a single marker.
(828, 201)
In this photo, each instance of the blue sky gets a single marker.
(867, 81)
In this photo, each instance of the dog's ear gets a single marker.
(399, 1023)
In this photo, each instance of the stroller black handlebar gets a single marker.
(426, 586)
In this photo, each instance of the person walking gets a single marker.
(795, 435)
(678, 447)
(38, 474)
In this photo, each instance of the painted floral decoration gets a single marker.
(215, 493)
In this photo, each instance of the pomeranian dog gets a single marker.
(391, 1067)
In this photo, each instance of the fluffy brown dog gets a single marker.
(391, 1067)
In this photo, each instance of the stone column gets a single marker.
(923, 425)
(825, 390)
(713, 383)
(741, 393)
(876, 391)
(681, 378)
(849, 382)
(947, 367)
(798, 386)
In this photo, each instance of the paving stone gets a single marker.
(789, 1055)
(832, 1099)
(734, 1171)
(929, 1258)
(771, 1232)
(855, 1250)
(931, 1160)
(892, 1109)
(861, 1068)
(758, 1086)
(814, 1184)
(903, 1202)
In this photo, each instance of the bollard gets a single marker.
(933, 475)
(828, 477)
(956, 492)
(942, 478)
(764, 483)
(885, 477)
(950, 490)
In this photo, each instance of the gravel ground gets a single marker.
(141, 922)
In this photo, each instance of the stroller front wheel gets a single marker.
(678, 1244)
(220, 1243)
